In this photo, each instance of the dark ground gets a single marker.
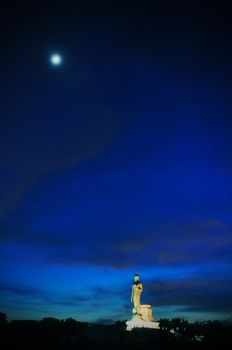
(111, 337)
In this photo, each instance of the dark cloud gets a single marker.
(20, 289)
(173, 243)
(194, 242)
(95, 295)
(195, 294)
(97, 300)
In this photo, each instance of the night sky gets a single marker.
(116, 161)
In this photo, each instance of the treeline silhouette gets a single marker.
(207, 330)
(48, 328)
(176, 332)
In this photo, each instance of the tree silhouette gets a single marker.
(3, 319)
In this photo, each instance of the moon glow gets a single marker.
(56, 59)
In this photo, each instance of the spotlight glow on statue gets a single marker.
(56, 59)
(141, 313)
(137, 288)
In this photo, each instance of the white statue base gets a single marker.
(136, 323)
(142, 320)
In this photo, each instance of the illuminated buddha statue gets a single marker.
(137, 288)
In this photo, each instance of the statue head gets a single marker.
(136, 277)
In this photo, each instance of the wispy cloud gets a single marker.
(167, 243)
(19, 289)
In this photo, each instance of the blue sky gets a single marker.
(117, 161)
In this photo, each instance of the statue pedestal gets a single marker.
(146, 313)
(136, 323)
(143, 320)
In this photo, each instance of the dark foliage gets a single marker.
(174, 333)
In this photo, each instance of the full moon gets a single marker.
(56, 59)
